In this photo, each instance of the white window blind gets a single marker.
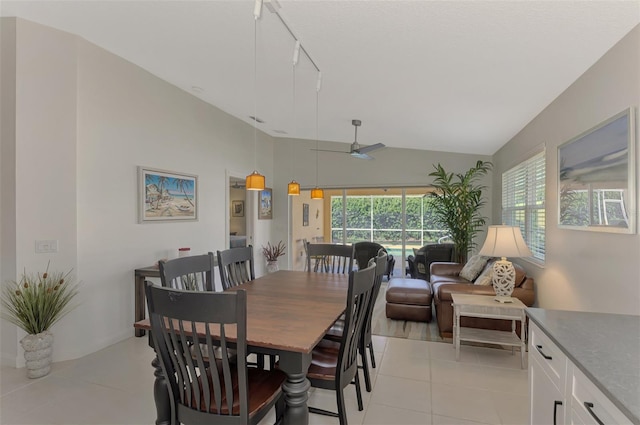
(523, 202)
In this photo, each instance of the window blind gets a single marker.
(523, 202)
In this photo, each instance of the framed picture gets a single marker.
(237, 208)
(596, 177)
(166, 196)
(265, 204)
(305, 214)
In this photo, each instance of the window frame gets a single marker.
(523, 190)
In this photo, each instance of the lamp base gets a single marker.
(503, 279)
(503, 299)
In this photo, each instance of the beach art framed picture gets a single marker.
(265, 204)
(167, 196)
(597, 177)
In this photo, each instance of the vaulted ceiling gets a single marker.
(457, 76)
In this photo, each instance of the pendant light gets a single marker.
(255, 180)
(317, 193)
(293, 188)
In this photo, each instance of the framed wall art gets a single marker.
(596, 177)
(265, 204)
(237, 208)
(166, 196)
(305, 214)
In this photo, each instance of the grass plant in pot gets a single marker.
(271, 254)
(34, 304)
(457, 203)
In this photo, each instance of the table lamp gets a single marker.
(504, 241)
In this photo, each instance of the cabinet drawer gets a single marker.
(590, 404)
(552, 360)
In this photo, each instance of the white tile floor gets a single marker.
(416, 382)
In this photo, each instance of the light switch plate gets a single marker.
(46, 246)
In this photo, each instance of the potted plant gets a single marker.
(271, 254)
(34, 304)
(457, 202)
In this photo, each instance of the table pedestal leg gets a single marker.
(296, 388)
(161, 394)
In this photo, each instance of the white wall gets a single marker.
(392, 167)
(587, 271)
(85, 119)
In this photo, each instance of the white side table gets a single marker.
(486, 307)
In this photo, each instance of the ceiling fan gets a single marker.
(357, 150)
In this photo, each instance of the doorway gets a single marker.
(238, 229)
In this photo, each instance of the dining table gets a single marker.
(288, 313)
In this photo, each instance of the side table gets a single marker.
(486, 307)
(140, 275)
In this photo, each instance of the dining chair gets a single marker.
(236, 266)
(334, 364)
(330, 258)
(193, 273)
(224, 392)
(366, 343)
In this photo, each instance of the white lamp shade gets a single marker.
(505, 241)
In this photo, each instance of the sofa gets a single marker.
(445, 280)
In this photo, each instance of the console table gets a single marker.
(140, 275)
(485, 306)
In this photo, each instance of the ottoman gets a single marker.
(408, 299)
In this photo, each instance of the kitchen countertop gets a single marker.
(605, 347)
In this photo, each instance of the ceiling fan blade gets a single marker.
(327, 150)
(372, 148)
(361, 155)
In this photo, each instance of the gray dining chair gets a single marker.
(193, 273)
(227, 391)
(236, 266)
(334, 364)
(329, 258)
(366, 343)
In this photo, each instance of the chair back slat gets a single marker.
(329, 258)
(381, 266)
(236, 266)
(361, 284)
(193, 273)
(200, 387)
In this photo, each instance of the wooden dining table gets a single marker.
(288, 313)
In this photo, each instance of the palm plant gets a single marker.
(456, 205)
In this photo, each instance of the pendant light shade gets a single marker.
(293, 188)
(317, 193)
(255, 181)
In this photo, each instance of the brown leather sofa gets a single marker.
(445, 280)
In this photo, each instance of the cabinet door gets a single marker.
(547, 402)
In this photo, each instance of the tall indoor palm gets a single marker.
(457, 203)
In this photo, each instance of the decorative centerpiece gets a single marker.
(271, 254)
(34, 304)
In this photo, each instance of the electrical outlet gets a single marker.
(46, 246)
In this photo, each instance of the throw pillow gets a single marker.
(474, 266)
(485, 277)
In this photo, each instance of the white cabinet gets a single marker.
(547, 380)
(589, 405)
(559, 393)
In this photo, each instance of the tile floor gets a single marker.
(416, 382)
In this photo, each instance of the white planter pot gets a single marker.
(272, 266)
(38, 349)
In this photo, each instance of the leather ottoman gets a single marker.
(408, 299)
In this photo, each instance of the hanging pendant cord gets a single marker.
(293, 115)
(255, 94)
(317, 95)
